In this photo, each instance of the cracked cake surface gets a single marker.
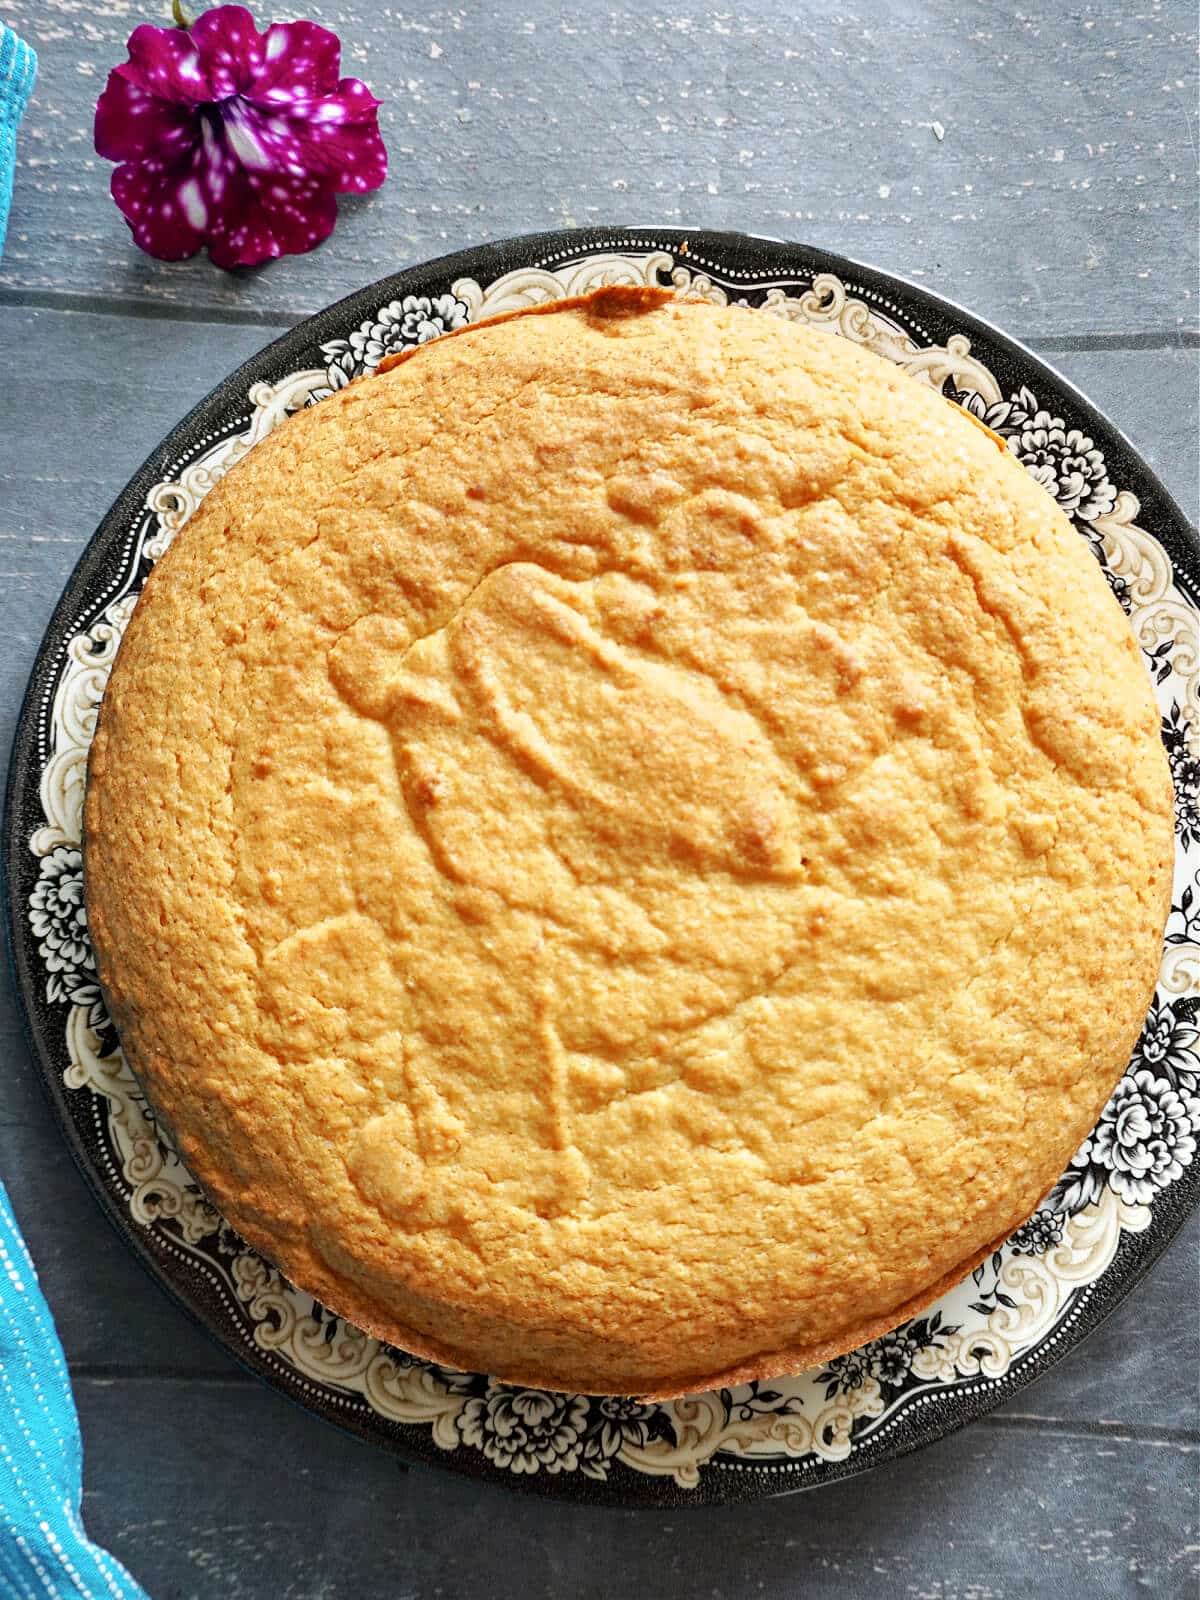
(629, 847)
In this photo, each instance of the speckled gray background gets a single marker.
(1038, 165)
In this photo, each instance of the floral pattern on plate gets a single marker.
(400, 325)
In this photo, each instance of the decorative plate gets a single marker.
(1126, 1191)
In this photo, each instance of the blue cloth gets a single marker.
(44, 1552)
(18, 68)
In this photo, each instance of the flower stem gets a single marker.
(182, 20)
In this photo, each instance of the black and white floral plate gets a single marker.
(1127, 1189)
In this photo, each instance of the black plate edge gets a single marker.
(718, 1485)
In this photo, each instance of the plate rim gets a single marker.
(719, 1483)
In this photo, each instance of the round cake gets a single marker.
(628, 848)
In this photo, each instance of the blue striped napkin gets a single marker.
(18, 68)
(44, 1552)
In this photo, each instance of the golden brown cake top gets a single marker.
(628, 847)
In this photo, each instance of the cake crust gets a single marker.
(629, 847)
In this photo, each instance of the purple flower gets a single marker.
(236, 139)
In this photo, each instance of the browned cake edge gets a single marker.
(343, 1298)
